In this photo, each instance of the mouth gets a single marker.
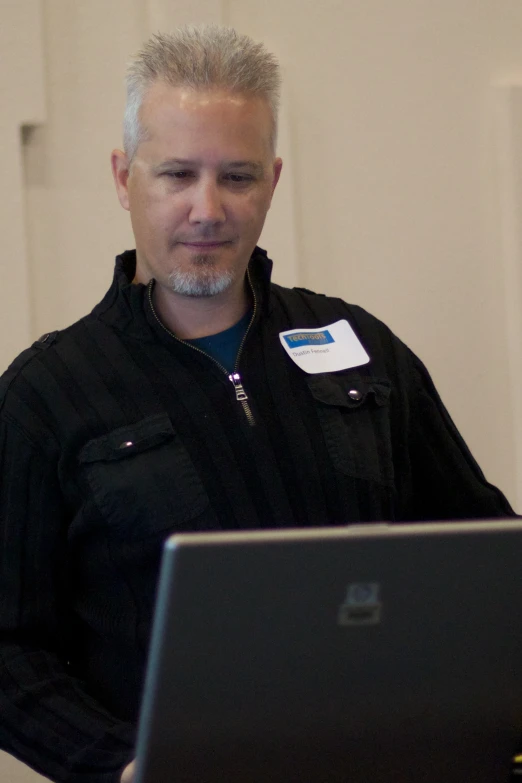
(205, 245)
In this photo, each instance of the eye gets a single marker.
(177, 174)
(239, 179)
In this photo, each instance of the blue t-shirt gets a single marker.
(224, 346)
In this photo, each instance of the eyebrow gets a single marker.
(252, 165)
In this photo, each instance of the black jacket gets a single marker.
(113, 434)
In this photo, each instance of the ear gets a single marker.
(277, 167)
(120, 172)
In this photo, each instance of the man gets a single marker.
(196, 396)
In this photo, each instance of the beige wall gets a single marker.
(402, 189)
(22, 96)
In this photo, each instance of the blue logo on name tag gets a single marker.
(308, 338)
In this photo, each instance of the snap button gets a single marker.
(355, 394)
(47, 339)
(126, 444)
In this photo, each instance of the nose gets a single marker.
(207, 204)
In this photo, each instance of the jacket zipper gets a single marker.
(234, 377)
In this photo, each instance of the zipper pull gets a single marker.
(241, 394)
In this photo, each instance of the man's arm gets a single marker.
(447, 482)
(49, 720)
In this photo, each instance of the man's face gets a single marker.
(199, 187)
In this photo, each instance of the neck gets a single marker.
(192, 317)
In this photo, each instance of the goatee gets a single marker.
(203, 280)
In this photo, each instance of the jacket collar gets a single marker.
(125, 306)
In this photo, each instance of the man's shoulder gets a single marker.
(315, 298)
(326, 306)
(306, 308)
(33, 360)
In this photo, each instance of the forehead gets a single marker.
(183, 116)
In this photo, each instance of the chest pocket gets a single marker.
(142, 478)
(354, 417)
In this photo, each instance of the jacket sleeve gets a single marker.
(446, 481)
(48, 720)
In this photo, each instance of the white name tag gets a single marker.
(330, 348)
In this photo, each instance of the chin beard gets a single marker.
(202, 280)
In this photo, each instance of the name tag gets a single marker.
(328, 349)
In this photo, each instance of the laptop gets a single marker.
(364, 654)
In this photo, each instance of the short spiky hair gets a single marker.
(200, 57)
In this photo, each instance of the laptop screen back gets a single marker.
(364, 654)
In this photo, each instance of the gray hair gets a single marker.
(201, 57)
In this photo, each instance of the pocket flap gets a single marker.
(128, 440)
(345, 393)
